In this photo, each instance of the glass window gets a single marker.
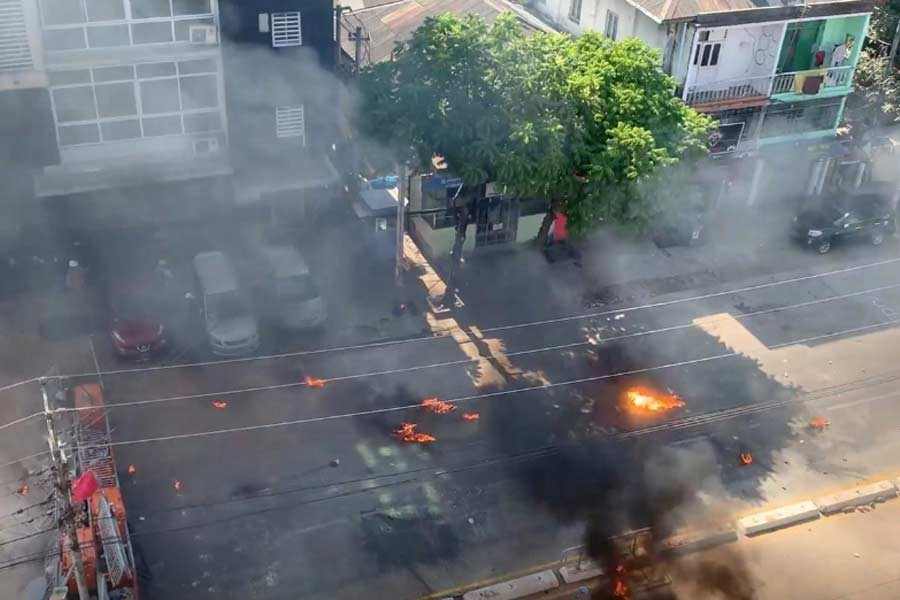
(71, 135)
(116, 100)
(113, 74)
(160, 96)
(154, 126)
(192, 7)
(120, 130)
(155, 70)
(144, 9)
(69, 77)
(189, 67)
(105, 10)
(183, 28)
(151, 33)
(68, 39)
(105, 36)
(74, 104)
(194, 123)
(199, 92)
(62, 12)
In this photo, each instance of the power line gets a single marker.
(446, 332)
(466, 361)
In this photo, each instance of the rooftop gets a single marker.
(759, 10)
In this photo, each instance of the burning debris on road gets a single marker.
(471, 416)
(819, 424)
(436, 406)
(314, 381)
(131, 470)
(746, 459)
(23, 490)
(220, 404)
(407, 433)
(645, 400)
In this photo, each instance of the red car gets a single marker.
(137, 329)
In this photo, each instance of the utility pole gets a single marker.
(358, 38)
(403, 190)
(63, 489)
(338, 15)
(893, 54)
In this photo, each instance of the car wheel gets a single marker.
(877, 237)
(824, 247)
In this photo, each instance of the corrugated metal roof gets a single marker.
(673, 10)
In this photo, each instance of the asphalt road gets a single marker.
(291, 491)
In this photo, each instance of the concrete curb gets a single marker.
(780, 517)
(536, 583)
(684, 541)
(587, 570)
(864, 494)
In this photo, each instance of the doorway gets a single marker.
(496, 221)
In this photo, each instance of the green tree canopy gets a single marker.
(580, 122)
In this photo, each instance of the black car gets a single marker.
(861, 217)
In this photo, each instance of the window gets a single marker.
(74, 104)
(73, 135)
(203, 65)
(120, 130)
(707, 54)
(62, 12)
(152, 33)
(286, 29)
(197, 122)
(65, 39)
(145, 9)
(199, 92)
(116, 100)
(105, 10)
(159, 96)
(290, 123)
(113, 74)
(69, 77)
(108, 36)
(612, 25)
(165, 69)
(156, 126)
(575, 10)
(191, 7)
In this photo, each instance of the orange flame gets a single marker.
(314, 382)
(620, 590)
(644, 399)
(23, 491)
(819, 423)
(407, 433)
(131, 470)
(471, 416)
(746, 458)
(437, 406)
(220, 404)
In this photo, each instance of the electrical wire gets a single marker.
(448, 331)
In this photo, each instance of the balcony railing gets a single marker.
(728, 89)
(813, 80)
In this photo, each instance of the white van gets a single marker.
(230, 325)
(291, 297)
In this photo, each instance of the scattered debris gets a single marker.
(746, 459)
(436, 406)
(407, 433)
(23, 490)
(471, 521)
(177, 486)
(335, 462)
(314, 381)
(131, 470)
(619, 316)
(220, 404)
(471, 416)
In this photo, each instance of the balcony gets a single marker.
(730, 91)
(813, 81)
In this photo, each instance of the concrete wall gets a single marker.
(746, 52)
(632, 22)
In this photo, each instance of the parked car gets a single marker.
(228, 318)
(137, 329)
(289, 296)
(862, 217)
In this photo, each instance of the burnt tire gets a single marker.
(877, 237)
(823, 247)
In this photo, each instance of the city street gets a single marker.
(285, 477)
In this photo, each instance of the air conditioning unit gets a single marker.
(202, 34)
(206, 146)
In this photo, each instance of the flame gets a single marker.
(23, 491)
(220, 404)
(646, 400)
(746, 458)
(471, 416)
(314, 382)
(819, 423)
(437, 406)
(131, 470)
(407, 433)
(177, 486)
(620, 590)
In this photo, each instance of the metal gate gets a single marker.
(497, 221)
(113, 548)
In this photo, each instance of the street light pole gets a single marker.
(403, 193)
(63, 489)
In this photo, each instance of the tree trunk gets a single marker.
(462, 222)
(544, 230)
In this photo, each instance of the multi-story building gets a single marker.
(775, 75)
(155, 107)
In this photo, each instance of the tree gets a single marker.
(875, 100)
(580, 122)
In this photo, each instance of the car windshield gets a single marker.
(227, 306)
(299, 287)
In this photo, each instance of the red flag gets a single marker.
(85, 486)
